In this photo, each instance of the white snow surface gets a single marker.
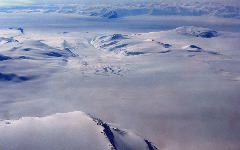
(73, 130)
(176, 85)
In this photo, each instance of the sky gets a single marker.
(15, 2)
(24, 2)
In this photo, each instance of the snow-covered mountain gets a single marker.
(28, 56)
(147, 43)
(161, 8)
(74, 130)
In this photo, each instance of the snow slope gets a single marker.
(141, 43)
(74, 130)
(192, 43)
(197, 31)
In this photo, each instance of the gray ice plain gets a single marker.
(147, 76)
